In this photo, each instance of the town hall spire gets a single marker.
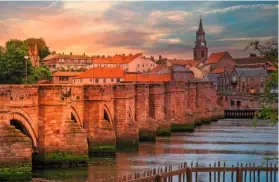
(200, 50)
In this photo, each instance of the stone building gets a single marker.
(62, 77)
(243, 80)
(33, 54)
(64, 62)
(130, 63)
(181, 73)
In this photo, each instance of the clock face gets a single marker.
(202, 43)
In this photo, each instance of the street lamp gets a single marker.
(26, 58)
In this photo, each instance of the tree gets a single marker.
(12, 62)
(40, 73)
(42, 47)
(270, 52)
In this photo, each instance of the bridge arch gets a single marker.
(75, 116)
(23, 122)
(107, 114)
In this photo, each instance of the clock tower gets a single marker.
(200, 50)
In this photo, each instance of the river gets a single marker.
(226, 140)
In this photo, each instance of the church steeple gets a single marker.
(200, 50)
(200, 26)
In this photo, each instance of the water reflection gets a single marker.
(226, 140)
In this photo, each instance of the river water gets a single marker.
(229, 141)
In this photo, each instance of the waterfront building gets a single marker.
(147, 77)
(181, 73)
(67, 62)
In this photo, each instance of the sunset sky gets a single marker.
(153, 28)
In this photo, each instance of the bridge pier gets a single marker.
(127, 129)
(98, 120)
(156, 109)
(15, 151)
(61, 141)
(147, 125)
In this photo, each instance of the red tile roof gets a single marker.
(218, 70)
(64, 73)
(215, 57)
(147, 77)
(117, 59)
(101, 72)
(65, 56)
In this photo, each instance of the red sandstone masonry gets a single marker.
(174, 102)
(124, 113)
(99, 99)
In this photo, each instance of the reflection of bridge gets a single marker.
(240, 113)
(64, 122)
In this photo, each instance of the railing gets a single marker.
(212, 173)
(240, 114)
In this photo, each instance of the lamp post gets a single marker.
(26, 58)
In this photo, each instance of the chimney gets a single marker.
(71, 53)
(84, 53)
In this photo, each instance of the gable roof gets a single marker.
(161, 69)
(251, 71)
(180, 68)
(215, 57)
(116, 59)
(251, 60)
(102, 72)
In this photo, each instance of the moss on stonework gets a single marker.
(147, 136)
(214, 118)
(206, 120)
(221, 116)
(198, 122)
(182, 127)
(163, 131)
(102, 150)
(124, 145)
(15, 173)
(59, 159)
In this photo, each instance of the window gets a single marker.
(142, 65)
(63, 78)
(232, 102)
(112, 80)
(97, 80)
(91, 80)
(243, 79)
(238, 103)
(118, 80)
(104, 80)
(88, 61)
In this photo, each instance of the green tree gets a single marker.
(40, 73)
(12, 62)
(270, 52)
(42, 47)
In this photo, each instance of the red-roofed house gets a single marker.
(130, 63)
(100, 75)
(219, 60)
(62, 77)
(144, 77)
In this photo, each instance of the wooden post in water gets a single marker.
(189, 175)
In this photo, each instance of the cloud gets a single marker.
(248, 38)
(239, 7)
(89, 6)
(170, 15)
(170, 41)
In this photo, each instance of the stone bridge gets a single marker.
(68, 122)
